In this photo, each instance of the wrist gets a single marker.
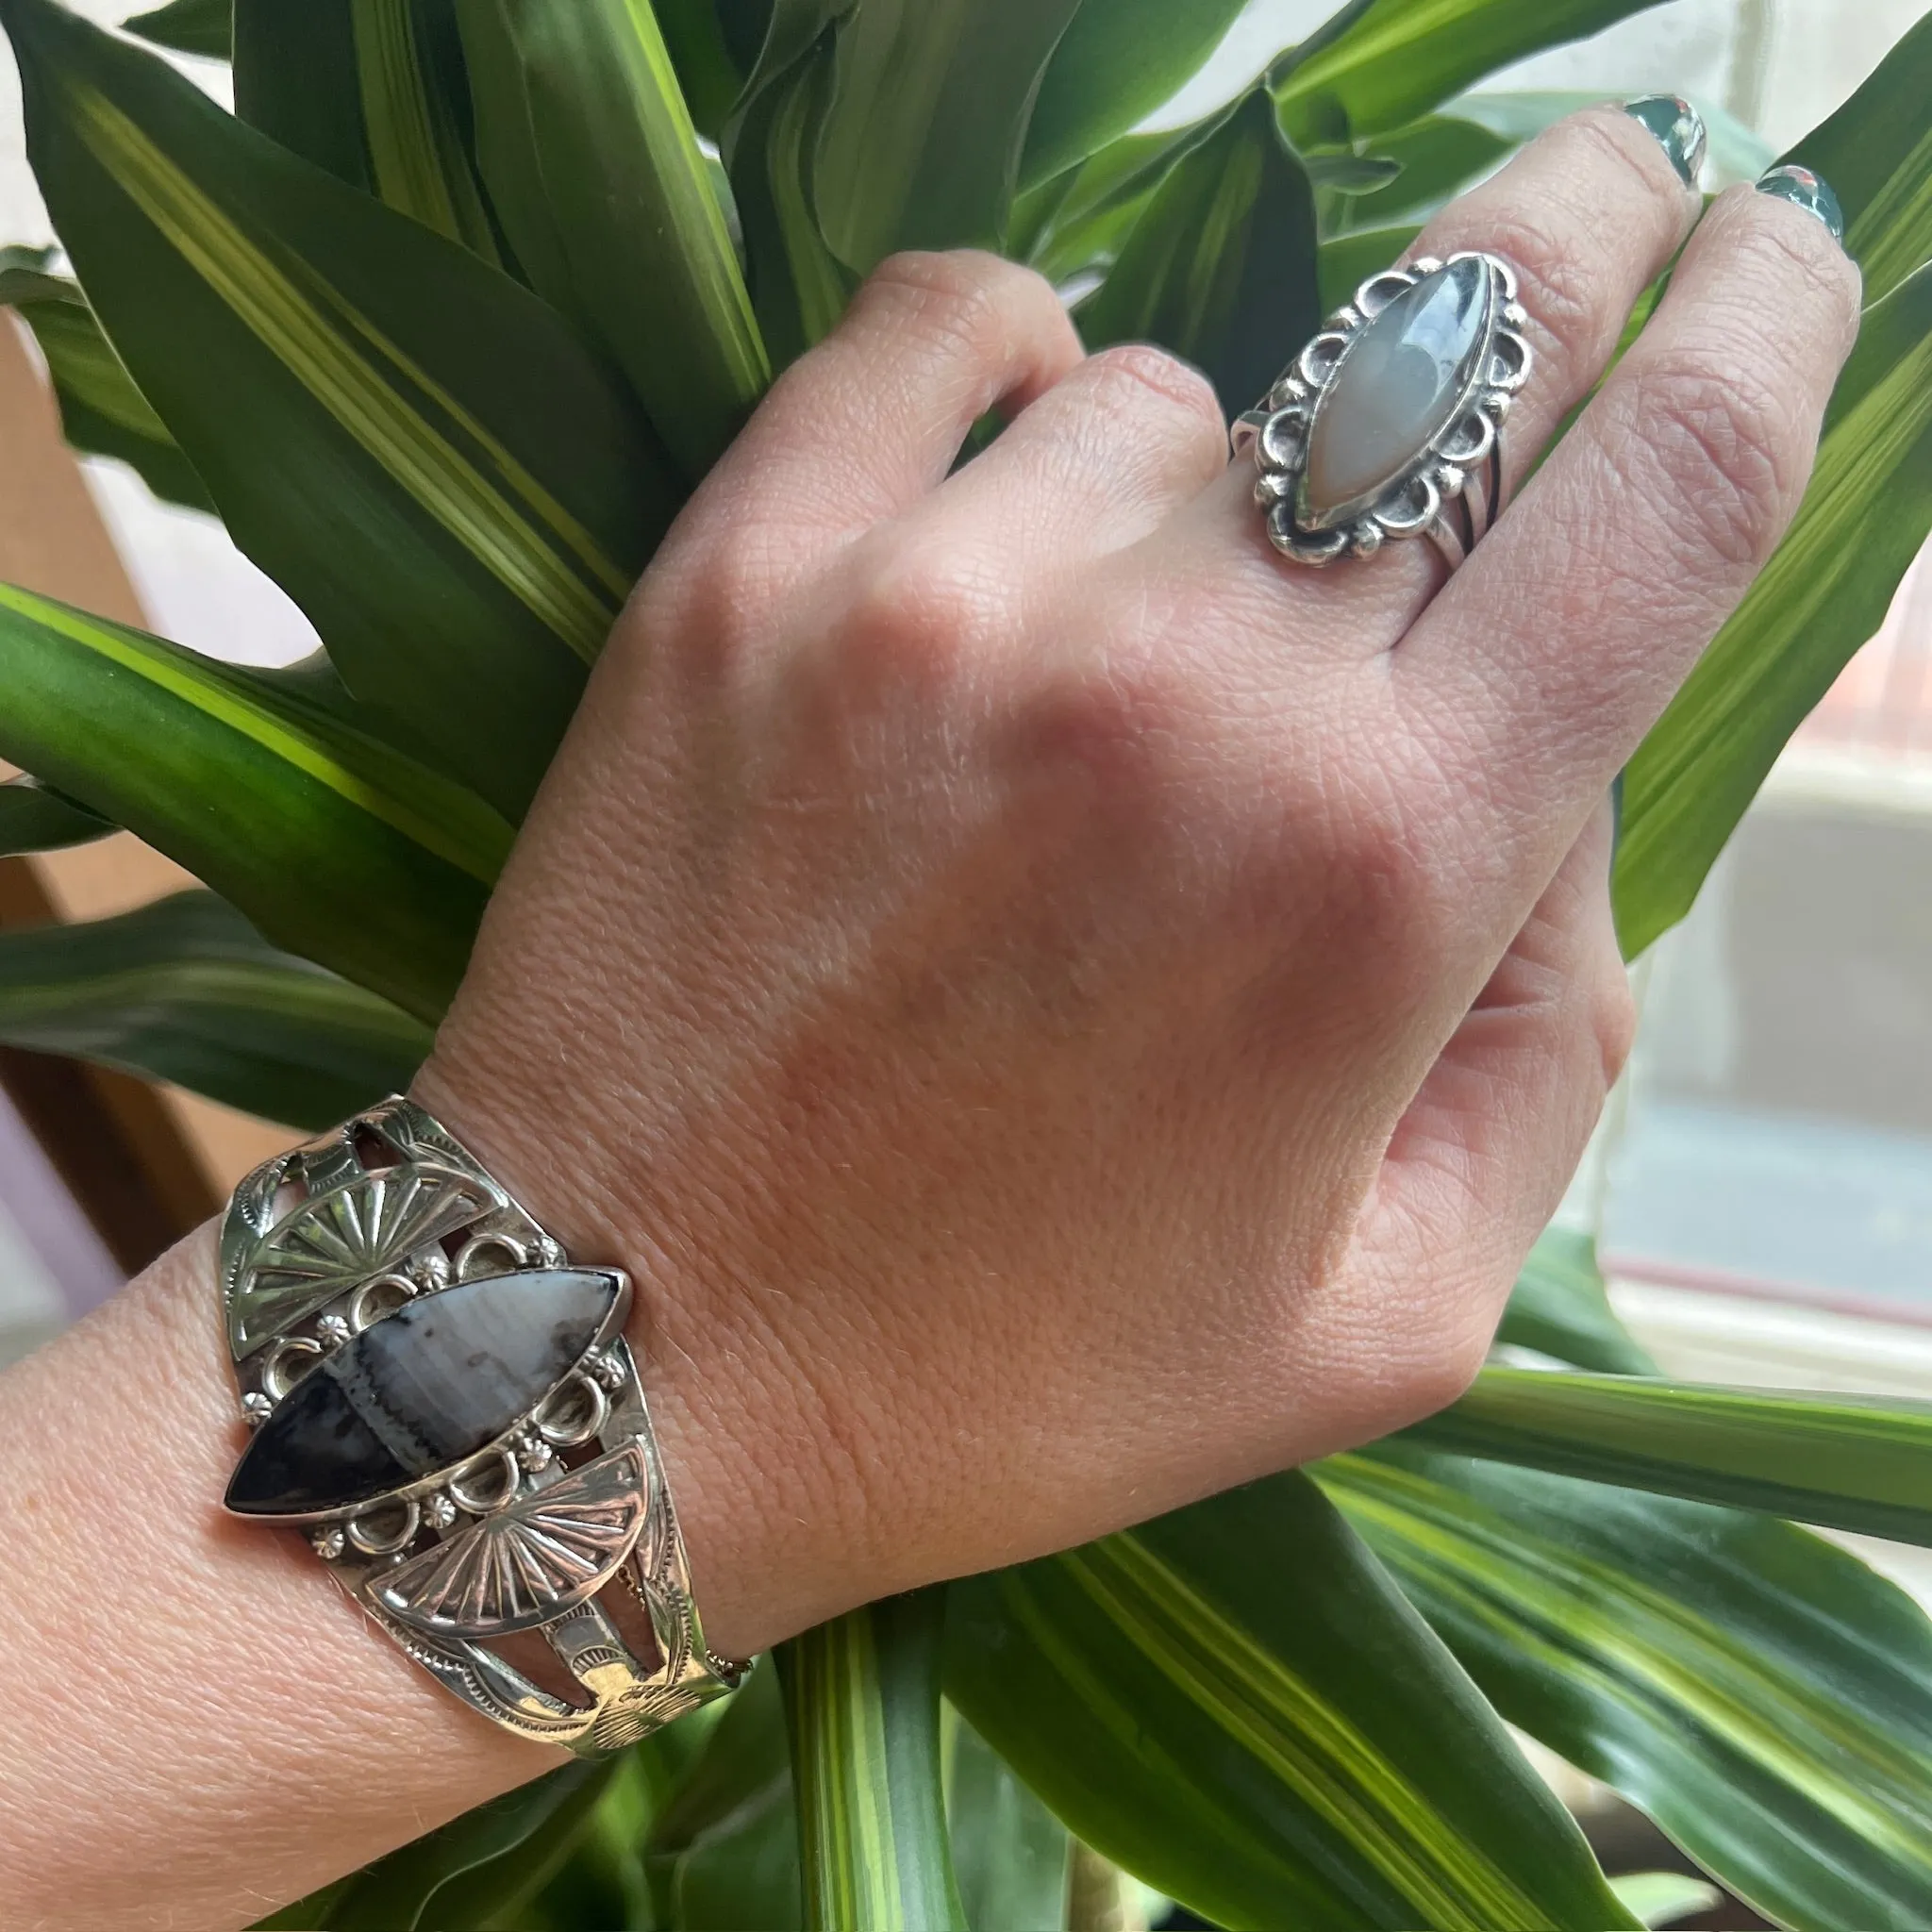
(772, 1542)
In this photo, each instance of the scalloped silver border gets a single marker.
(1276, 432)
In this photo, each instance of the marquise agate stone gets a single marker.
(422, 1390)
(1403, 381)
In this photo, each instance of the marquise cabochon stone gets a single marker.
(422, 1390)
(1401, 384)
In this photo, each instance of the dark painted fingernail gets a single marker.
(1680, 131)
(1806, 191)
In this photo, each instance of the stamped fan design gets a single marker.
(338, 1239)
(527, 1563)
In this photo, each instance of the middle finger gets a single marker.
(1588, 214)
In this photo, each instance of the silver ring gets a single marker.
(1390, 423)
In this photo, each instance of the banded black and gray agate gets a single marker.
(422, 1391)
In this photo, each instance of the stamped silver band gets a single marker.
(1390, 423)
(451, 1412)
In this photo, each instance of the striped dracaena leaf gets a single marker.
(1116, 63)
(334, 845)
(1761, 1694)
(189, 26)
(1854, 1462)
(374, 91)
(1236, 1703)
(920, 144)
(861, 1701)
(607, 200)
(186, 991)
(1876, 153)
(1559, 1308)
(102, 413)
(1382, 64)
(1866, 514)
(32, 818)
(414, 446)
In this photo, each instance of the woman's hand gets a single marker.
(1061, 1010)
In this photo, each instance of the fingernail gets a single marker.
(1806, 191)
(1680, 131)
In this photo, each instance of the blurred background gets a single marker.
(1763, 1187)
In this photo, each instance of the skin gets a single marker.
(1059, 1012)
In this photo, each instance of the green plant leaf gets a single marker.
(1009, 1851)
(1661, 1898)
(1856, 1462)
(708, 74)
(186, 991)
(1236, 1703)
(297, 80)
(862, 1707)
(374, 91)
(722, 1855)
(416, 448)
(1345, 264)
(1876, 153)
(189, 27)
(1079, 221)
(1398, 59)
(599, 1876)
(336, 847)
(102, 413)
(415, 103)
(1826, 589)
(799, 288)
(1221, 268)
(32, 818)
(745, 24)
(517, 1835)
(1761, 1694)
(622, 206)
(1559, 1309)
(1116, 63)
(1433, 159)
(920, 142)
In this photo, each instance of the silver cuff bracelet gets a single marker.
(450, 1411)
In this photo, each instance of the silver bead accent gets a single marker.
(256, 1408)
(332, 1331)
(439, 1512)
(534, 1453)
(330, 1542)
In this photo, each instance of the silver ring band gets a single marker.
(469, 1450)
(1390, 423)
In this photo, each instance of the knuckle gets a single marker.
(1386, 898)
(1560, 287)
(708, 602)
(911, 617)
(962, 295)
(1722, 450)
(1613, 1021)
(1141, 374)
(1624, 156)
(1116, 728)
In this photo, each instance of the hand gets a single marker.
(1061, 1010)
